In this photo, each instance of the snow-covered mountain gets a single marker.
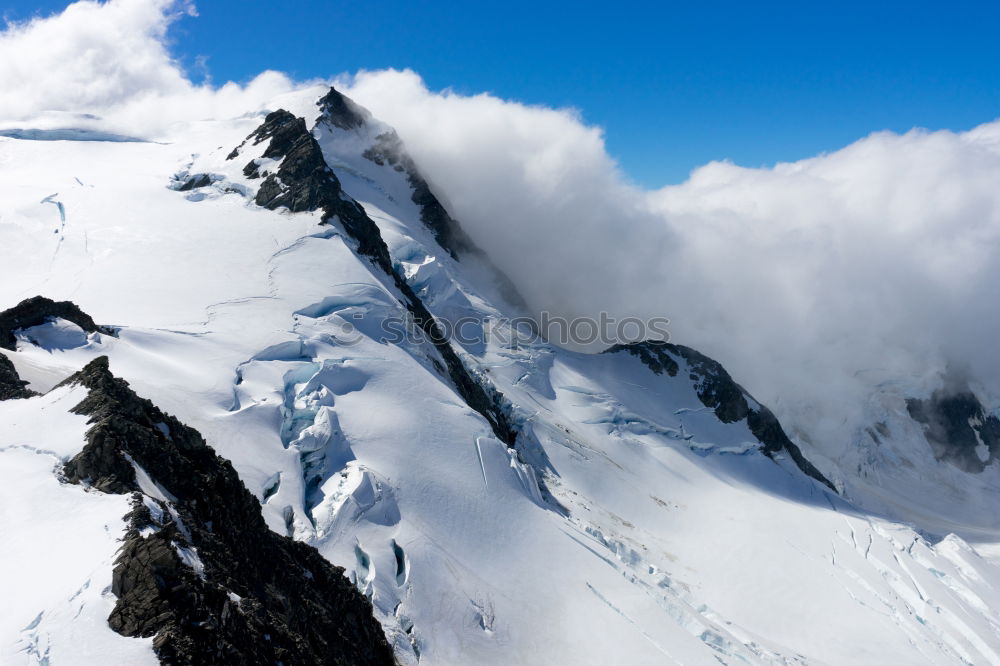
(275, 289)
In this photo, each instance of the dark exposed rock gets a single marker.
(481, 395)
(955, 424)
(201, 571)
(717, 390)
(195, 181)
(11, 385)
(654, 355)
(252, 170)
(278, 126)
(388, 149)
(342, 111)
(304, 182)
(39, 310)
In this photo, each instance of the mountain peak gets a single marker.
(341, 111)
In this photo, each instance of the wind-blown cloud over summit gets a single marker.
(810, 280)
(879, 260)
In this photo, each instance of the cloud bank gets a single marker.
(811, 281)
(107, 64)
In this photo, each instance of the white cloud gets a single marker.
(110, 60)
(523, 178)
(809, 280)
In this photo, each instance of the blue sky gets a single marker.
(674, 84)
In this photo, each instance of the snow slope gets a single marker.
(59, 545)
(628, 525)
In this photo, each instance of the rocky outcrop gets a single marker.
(195, 181)
(341, 111)
(304, 182)
(199, 569)
(718, 391)
(655, 355)
(40, 310)
(12, 387)
(388, 150)
(480, 396)
(958, 428)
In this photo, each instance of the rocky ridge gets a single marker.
(304, 182)
(717, 390)
(40, 310)
(199, 570)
